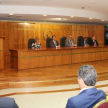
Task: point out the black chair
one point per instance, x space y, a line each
62 41
90 41
30 41
79 40
48 42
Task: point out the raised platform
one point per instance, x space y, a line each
38 58
48 76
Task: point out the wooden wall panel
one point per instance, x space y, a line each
17 34
1 53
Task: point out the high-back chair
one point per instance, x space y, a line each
79 40
48 42
89 40
102 104
62 41
30 41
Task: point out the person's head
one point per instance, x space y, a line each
54 37
87 76
85 38
93 37
70 37
37 40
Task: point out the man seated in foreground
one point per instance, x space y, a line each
6 102
89 96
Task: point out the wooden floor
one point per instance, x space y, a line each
57 75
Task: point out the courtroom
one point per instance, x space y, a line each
53 54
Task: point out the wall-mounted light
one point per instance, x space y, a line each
44 15
26 23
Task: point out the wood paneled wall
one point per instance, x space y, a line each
1 52
17 34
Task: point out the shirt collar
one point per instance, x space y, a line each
83 89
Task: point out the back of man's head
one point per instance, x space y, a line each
88 74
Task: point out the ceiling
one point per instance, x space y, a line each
56 10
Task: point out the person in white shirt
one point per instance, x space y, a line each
94 41
54 43
84 42
36 44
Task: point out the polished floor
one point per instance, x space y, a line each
48 87
48 76
50 99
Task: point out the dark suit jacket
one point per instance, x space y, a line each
82 43
92 43
86 99
6 102
52 43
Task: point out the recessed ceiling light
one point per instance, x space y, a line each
102 20
11 14
90 18
44 15
71 16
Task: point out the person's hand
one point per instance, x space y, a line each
58 46
87 45
74 45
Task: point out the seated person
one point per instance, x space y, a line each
89 96
6 102
94 42
36 44
69 42
84 42
54 43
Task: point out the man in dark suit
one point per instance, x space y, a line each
54 43
84 42
6 102
89 96
94 41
